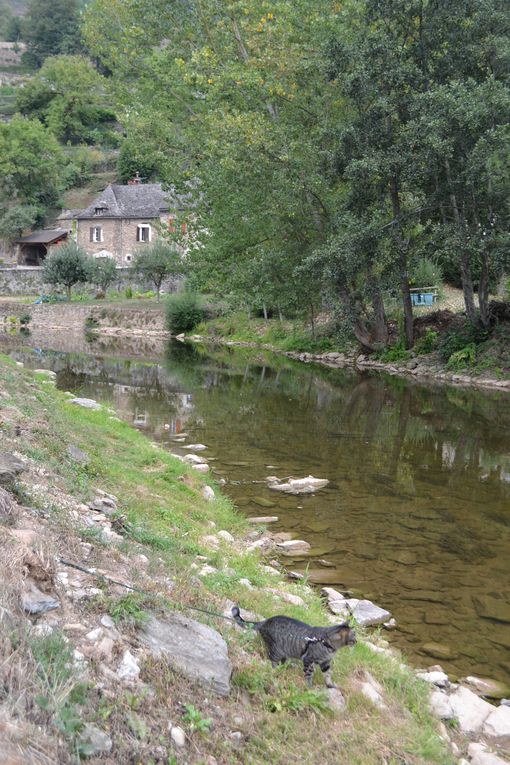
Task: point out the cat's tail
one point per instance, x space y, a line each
236 616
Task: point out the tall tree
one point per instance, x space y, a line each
50 29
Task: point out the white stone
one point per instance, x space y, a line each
87 403
294 600
95 635
195 447
440 706
178 737
307 485
201 468
435 678
371 689
129 668
481 755
208 493
366 613
246 583
194 459
107 621
336 699
225 535
206 570
470 710
42 630
210 540
497 725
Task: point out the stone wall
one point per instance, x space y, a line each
27 280
73 316
119 236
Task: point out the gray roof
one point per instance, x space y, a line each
45 236
142 200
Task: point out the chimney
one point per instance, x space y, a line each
136 181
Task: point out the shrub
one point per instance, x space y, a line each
128 292
67 265
457 338
428 342
102 272
462 358
184 310
25 319
426 273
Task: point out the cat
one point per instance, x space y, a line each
287 638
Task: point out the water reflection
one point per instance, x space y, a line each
417 512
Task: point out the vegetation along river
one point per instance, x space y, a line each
417 513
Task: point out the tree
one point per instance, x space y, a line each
69 96
51 29
102 272
158 262
15 220
66 266
32 164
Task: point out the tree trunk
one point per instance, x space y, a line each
68 292
380 324
467 287
312 319
264 309
483 290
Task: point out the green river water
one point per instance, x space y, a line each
417 513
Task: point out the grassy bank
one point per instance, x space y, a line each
163 518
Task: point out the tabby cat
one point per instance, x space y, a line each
287 638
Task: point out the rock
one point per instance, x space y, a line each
294 546
307 485
486 686
10 468
440 706
497 725
36 602
492 608
95 635
129 668
78 455
198 651
41 630
371 689
436 677
178 737
439 651
470 710
263 502
246 583
201 468
86 403
236 737
194 459
94 741
195 447
336 699
481 755
366 613
263 519
294 600
107 621
336 601
206 570
390 625
226 536
210 540
208 493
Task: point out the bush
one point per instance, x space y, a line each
426 273
428 342
184 310
458 338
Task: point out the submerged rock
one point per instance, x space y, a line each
263 519
486 686
292 546
198 651
439 651
307 485
492 608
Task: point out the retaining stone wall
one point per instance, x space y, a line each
72 316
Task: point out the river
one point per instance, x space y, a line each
417 513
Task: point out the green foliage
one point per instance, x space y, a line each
195 720
394 354
129 610
25 319
464 357
157 262
297 700
101 272
32 165
426 273
184 310
128 292
51 29
67 265
15 220
458 338
70 97
428 342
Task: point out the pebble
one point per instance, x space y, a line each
129 668
226 536
178 737
107 621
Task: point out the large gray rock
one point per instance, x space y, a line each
486 686
307 485
366 613
497 725
480 755
86 403
470 710
198 651
10 468
440 706
36 602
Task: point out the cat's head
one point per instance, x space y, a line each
342 635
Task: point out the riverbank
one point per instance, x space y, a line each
97 493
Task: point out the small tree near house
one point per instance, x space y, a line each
157 263
66 266
102 272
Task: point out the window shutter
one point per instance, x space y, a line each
91 239
138 234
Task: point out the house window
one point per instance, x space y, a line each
143 232
100 210
96 234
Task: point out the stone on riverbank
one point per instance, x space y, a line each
307 485
293 546
36 602
198 651
440 706
366 613
470 710
86 403
486 686
480 755
263 519
497 725
94 741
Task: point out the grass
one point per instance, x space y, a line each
281 720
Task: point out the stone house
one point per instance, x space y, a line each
122 220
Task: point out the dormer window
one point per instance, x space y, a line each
100 210
143 232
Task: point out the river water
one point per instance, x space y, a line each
417 513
